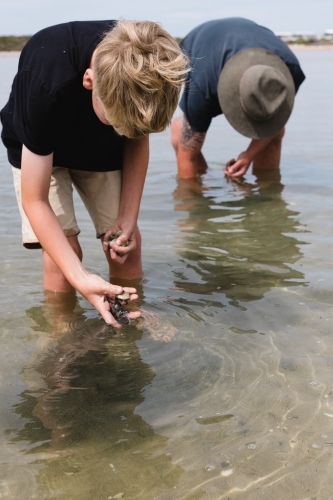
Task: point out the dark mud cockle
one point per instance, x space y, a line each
116 308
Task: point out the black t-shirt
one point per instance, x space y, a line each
49 110
209 47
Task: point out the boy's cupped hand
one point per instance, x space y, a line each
96 291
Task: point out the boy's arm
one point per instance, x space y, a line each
36 176
135 165
188 144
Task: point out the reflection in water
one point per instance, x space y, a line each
83 385
242 245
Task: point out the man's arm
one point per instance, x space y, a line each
188 144
36 176
265 153
135 165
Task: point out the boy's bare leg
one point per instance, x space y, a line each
54 279
269 157
132 267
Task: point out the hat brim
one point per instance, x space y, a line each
229 98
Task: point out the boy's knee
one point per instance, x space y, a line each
74 243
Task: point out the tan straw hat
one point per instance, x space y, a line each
256 93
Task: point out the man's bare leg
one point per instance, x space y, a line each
269 157
176 126
187 144
54 279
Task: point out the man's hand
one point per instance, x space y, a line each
239 167
265 152
97 291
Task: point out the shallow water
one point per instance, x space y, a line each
238 403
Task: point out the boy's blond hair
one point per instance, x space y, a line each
139 70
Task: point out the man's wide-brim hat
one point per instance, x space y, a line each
256 93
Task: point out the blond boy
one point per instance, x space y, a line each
83 103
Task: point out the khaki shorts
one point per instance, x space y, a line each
99 191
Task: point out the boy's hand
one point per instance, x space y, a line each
96 291
121 247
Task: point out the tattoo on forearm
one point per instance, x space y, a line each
189 139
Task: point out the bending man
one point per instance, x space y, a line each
244 71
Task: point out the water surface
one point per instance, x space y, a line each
225 391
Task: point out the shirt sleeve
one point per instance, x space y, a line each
35 114
298 76
196 108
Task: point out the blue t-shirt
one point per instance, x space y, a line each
209 47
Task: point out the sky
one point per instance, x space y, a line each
25 17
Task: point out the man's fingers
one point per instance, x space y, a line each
235 173
230 162
231 170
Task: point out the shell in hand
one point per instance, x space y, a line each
113 238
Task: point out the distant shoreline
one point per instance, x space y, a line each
292 46
10 52
305 46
